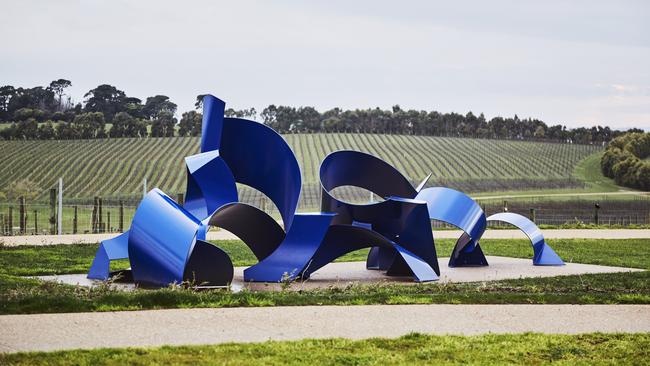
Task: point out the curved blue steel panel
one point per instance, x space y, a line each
213 109
111 249
343 239
354 168
208 266
543 254
388 218
210 184
161 236
312 243
455 208
260 158
293 255
458 209
259 231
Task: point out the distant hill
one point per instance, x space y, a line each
117 167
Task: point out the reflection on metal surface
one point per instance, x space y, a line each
543 255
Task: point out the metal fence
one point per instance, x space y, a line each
114 214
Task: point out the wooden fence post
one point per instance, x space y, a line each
100 216
108 221
94 214
74 221
22 216
10 221
53 211
35 221
180 199
121 217
532 214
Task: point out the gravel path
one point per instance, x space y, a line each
48 332
438 234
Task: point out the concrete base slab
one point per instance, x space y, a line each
341 274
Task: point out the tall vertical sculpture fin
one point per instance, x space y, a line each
212 126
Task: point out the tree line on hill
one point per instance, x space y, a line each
626 160
49 113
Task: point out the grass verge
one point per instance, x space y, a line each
76 258
490 349
19 295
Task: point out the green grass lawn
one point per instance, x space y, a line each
489 349
21 295
76 258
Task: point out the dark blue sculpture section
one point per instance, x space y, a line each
167 244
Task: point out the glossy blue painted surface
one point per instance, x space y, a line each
160 238
260 158
458 209
392 218
455 208
289 260
211 128
354 168
313 242
112 249
543 255
210 184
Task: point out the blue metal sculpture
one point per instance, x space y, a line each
166 243
543 255
458 209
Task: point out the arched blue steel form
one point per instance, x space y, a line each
458 209
398 225
355 238
313 242
543 255
354 168
261 159
255 155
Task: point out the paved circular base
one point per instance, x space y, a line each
341 274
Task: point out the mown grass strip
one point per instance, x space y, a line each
490 349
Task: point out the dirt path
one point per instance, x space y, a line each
47 332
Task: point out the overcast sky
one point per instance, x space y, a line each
577 63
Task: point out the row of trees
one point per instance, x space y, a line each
626 160
19 104
412 122
49 113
